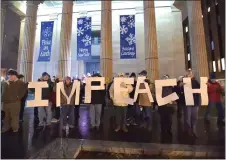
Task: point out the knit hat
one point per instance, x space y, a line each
144 73
180 78
12 72
44 74
121 75
212 75
132 75
67 78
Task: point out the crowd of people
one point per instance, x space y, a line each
15 91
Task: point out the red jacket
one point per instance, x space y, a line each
215 92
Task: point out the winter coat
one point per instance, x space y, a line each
180 92
13 91
46 92
143 97
134 88
168 108
97 96
215 91
123 94
63 99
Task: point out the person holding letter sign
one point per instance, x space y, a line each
67 108
13 90
45 112
121 107
215 91
145 103
191 112
97 101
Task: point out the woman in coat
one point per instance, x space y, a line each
121 108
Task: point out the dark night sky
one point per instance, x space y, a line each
10 40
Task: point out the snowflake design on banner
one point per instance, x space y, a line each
123 19
87 40
47 32
131 23
131 39
87 26
87 18
131 16
80 31
80 21
123 29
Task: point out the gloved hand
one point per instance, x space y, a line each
147 81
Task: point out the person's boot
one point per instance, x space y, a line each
124 129
117 128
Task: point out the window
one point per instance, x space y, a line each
219 65
212 45
208 9
186 29
214 66
96 37
223 64
189 57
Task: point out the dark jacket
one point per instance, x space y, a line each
195 85
46 92
134 88
180 92
168 108
98 96
108 89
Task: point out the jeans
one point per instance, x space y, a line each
166 112
45 115
56 111
220 110
191 117
67 114
95 114
147 114
121 116
22 109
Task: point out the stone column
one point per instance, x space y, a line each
3 14
199 60
65 39
22 23
106 41
150 39
26 60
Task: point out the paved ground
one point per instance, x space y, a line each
28 141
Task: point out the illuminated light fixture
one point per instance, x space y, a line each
208 9
214 66
189 57
202 16
186 29
223 64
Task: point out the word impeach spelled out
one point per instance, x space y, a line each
159 84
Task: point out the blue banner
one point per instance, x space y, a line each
127 37
84 38
46 41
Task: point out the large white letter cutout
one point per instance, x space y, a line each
146 90
89 87
168 99
60 87
188 91
118 89
38 102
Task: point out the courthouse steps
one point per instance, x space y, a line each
70 148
